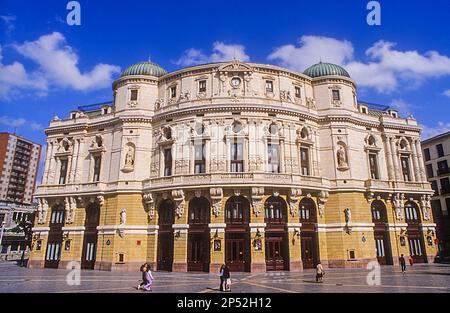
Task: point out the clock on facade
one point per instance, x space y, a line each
235 82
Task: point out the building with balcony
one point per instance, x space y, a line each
436 153
19 163
248 164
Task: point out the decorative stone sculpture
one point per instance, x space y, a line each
257 195
342 157
216 197
123 216
42 211
101 200
348 216
425 203
129 158
294 198
70 205
399 206
322 200
178 198
149 205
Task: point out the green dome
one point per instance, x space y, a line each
145 68
325 69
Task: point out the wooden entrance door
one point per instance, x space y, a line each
165 251
235 254
275 259
381 246
198 252
53 253
309 250
89 251
416 248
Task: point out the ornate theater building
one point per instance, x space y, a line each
252 165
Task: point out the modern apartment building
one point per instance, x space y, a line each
436 152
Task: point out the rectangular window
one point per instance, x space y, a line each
167 162
336 95
200 159
237 157
269 86
426 153
53 251
202 86
63 172
405 168
443 167
445 186
304 161
373 162
134 95
430 172
440 150
173 92
273 152
298 92
97 165
57 217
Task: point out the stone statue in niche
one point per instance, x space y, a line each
342 157
123 217
348 215
129 159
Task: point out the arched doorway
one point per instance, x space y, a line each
198 236
55 237
381 233
275 217
415 238
308 233
237 236
90 236
166 218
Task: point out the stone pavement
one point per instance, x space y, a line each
433 278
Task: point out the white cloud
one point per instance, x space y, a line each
9 22
447 93
59 64
311 50
13 123
402 106
221 52
431 131
385 69
57 67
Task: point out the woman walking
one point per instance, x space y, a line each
148 279
222 279
143 270
319 273
227 278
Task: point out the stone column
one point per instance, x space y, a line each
395 159
415 161
48 155
420 161
73 162
387 145
257 231
282 157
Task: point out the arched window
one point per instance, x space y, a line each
307 211
166 213
379 214
275 211
237 210
57 217
199 211
412 212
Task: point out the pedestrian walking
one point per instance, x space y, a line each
148 279
411 261
143 270
227 278
319 273
222 279
402 263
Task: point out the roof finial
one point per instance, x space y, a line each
149 57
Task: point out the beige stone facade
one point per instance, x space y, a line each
247 164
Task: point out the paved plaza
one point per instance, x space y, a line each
433 278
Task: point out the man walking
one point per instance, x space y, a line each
403 263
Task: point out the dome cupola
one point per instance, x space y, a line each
144 68
325 69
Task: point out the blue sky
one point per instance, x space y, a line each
48 68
